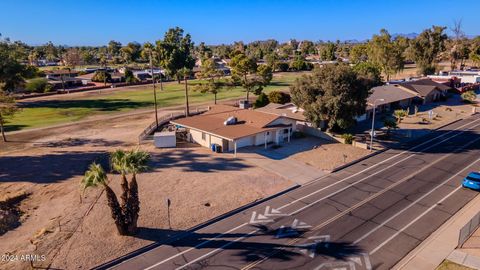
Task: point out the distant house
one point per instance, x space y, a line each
233 128
220 64
58 74
67 82
427 90
403 94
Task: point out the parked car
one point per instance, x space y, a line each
472 181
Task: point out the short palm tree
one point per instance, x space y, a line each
95 176
123 162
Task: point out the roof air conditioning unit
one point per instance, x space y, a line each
232 120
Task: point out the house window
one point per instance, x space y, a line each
204 136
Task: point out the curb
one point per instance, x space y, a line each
173 238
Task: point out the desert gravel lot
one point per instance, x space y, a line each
77 233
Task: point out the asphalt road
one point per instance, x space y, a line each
367 216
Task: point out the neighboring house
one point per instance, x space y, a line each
86 78
67 82
428 91
58 74
117 77
387 98
233 128
142 75
220 64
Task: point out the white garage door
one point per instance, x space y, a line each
247 141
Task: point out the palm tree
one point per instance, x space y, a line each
123 162
95 176
136 162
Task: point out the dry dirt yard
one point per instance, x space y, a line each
76 232
328 156
443 113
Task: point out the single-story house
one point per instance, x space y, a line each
59 73
427 90
289 110
233 128
386 98
68 82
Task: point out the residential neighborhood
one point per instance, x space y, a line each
239 135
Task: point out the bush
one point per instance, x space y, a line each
101 76
399 115
281 66
48 88
278 97
469 97
262 100
348 138
37 85
390 124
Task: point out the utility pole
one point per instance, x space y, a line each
373 123
187 110
154 89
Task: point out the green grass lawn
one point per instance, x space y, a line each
50 112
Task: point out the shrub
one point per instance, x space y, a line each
262 100
281 66
129 78
348 138
48 88
36 85
390 124
469 97
278 97
101 76
399 115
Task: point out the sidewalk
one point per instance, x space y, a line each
442 243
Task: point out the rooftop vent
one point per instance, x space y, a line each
232 120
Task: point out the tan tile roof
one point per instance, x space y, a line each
249 122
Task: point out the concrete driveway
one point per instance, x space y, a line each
281 162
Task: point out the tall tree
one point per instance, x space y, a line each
12 72
327 51
244 73
475 51
72 57
175 52
175 55
358 54
426 48
386 53
334 94
8 108
114 47
212 78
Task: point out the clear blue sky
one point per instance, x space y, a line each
89 22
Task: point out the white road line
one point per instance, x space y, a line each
344 179
215 250
415 220
362 179
195 247
378 164
412 204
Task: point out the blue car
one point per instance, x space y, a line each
472 181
